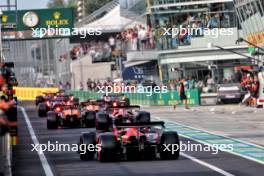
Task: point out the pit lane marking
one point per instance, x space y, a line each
210 166
196 160
42 157
238 144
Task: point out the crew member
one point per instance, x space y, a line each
182 95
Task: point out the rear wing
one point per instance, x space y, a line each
10 64
67 106
115 95
140 124
123 107
92 102
47 93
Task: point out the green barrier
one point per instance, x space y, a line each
156 99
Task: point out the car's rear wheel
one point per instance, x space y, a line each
143 116
76 101
109 147
102 122
42 110
150 153
52 122
132 154
42 113
39 99
87 139
89 119
52 125
170 139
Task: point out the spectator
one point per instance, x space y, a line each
210 83
68 86
61 86
255 90
112 43
191 83
182 95
118 45
142 35
81 88
213 22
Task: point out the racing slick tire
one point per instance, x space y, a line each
89 119
52 122
127 102
87 139
150 153
39 99
42 110
4 128
143 116
109 147
102 122
76 101
170 138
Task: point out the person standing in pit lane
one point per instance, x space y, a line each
182 95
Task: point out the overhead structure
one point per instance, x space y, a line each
251 16
110 22
80 10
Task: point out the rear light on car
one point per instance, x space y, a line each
261 100
13 91
114 104
48 104
58 109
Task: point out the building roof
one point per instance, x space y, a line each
110 22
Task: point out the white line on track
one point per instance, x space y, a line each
210 166
34 138
214 133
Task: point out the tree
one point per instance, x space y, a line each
56 4
72 3
91 6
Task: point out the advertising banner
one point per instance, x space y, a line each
37 24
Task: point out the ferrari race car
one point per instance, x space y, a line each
122 114
68 115
89 109
51 103
118 99
42 98
131 141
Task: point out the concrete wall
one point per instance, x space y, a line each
83 69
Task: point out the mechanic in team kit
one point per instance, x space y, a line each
182 95
8 110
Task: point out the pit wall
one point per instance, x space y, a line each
162 99
30 93
156 99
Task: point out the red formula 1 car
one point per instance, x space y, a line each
121 114
42 98
89 109
64 116
52 101
126 141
